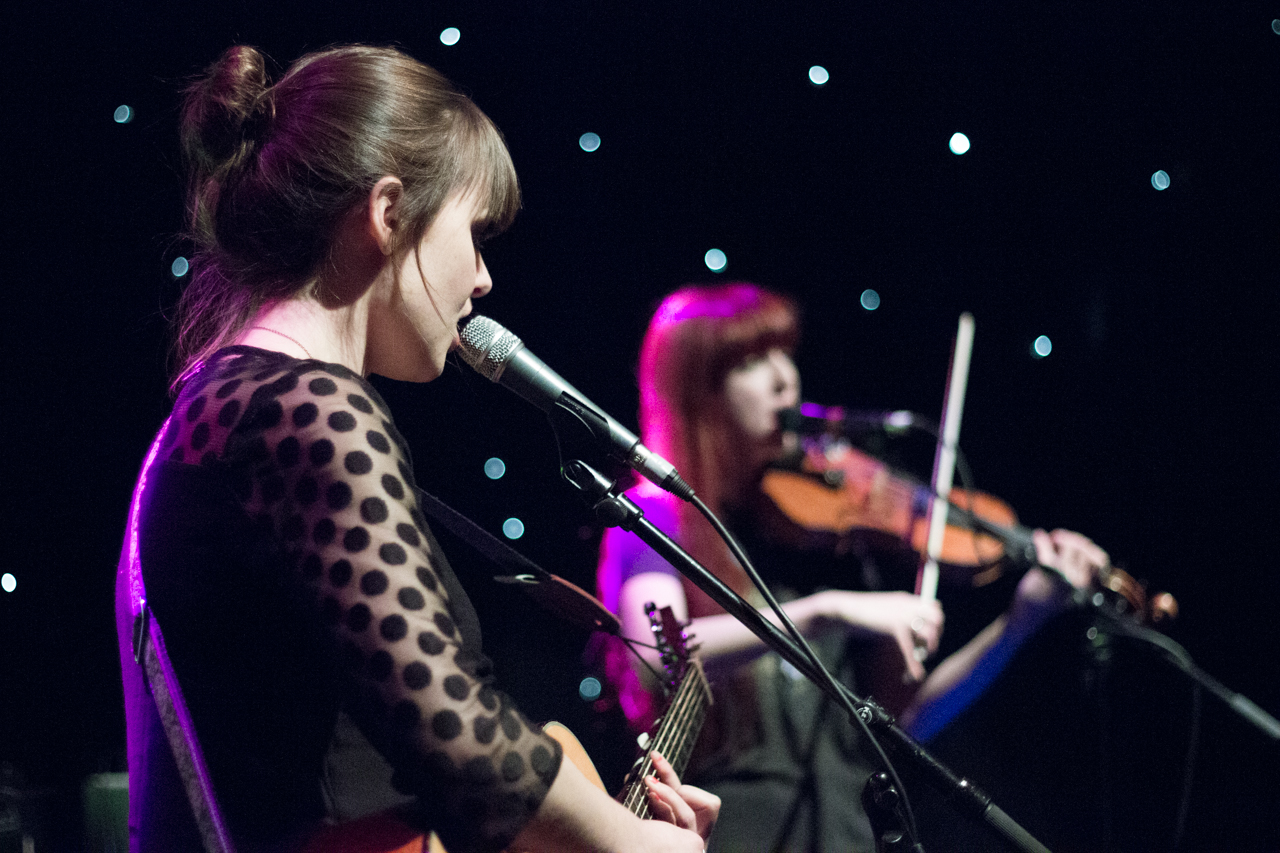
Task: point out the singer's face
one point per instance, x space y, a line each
436 284
755 391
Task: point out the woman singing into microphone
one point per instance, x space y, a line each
715 369
330 658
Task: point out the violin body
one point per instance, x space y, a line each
836 496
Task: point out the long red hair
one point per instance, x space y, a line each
696 336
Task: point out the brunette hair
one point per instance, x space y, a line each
273 168
697 335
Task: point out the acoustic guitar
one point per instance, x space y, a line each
673 735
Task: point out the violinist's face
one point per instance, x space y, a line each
755 391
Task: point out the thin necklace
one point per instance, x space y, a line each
283 335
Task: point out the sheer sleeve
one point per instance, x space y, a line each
312 453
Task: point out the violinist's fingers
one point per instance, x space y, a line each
927 625
1076 556
1082 548
907 646
1046 551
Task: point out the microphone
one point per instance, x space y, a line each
813 419
499 356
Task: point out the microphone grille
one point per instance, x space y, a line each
486 346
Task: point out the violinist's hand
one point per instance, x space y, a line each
908 619
1074 555
684 805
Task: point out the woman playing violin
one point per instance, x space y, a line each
715 370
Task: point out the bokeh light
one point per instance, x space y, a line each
450 35
8 582
818 75
1275 26
589 689
715 260
1042 346
123 114
1160 180
179 267
494 468
959 143
589 142
870 299
513 528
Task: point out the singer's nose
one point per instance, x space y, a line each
484 282
786 377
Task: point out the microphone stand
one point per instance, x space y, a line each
617 510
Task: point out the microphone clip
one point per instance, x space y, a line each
611 508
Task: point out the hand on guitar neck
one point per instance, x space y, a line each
652 789
577 813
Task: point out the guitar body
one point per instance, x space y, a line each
575 752
385 833
673 735
376 833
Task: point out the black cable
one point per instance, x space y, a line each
1193 743
634 647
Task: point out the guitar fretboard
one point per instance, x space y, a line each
673 736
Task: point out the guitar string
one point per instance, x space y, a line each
692 703
673 721
673 739
636 799
680 711
693 706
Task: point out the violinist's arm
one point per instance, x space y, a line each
724 642
965 675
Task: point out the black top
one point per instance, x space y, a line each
787 764
313 623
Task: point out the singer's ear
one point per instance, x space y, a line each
383 209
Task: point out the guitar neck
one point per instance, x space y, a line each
673 736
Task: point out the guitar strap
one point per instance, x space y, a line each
556 595
149 653
491 547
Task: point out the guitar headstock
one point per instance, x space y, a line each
670 637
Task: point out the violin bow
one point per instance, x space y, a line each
944 462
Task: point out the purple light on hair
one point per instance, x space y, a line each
686 305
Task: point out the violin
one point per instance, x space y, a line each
836 495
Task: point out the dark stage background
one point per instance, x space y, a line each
1150 427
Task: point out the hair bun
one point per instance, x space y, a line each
227 108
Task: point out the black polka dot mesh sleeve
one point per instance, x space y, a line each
313 457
